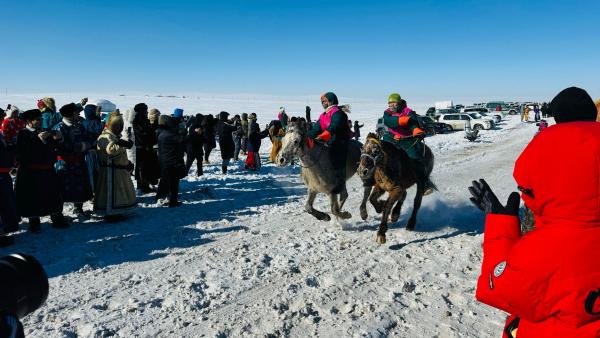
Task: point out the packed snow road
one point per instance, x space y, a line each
242 258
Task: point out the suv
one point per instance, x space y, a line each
465 121
496 116
433 127
505 109
440 112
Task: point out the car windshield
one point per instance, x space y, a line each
475 115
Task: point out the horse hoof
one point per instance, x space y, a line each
325 218
410 227
363 214
381 239
344 215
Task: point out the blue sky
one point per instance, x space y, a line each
366 49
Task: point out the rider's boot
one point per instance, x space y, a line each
423 178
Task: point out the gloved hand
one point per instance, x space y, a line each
60 166
130 166
485 200
125 143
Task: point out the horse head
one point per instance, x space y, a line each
293 143
370 154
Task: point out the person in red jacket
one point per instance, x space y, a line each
548 279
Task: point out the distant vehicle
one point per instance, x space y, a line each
497 116
433 127
458 107
430 112
443 105
464 121
482 116
440 112
504 108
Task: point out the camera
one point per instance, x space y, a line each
23 289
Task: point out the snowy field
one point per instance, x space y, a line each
241 258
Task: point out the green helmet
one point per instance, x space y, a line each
394 97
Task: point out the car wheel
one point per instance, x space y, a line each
478 127
512 112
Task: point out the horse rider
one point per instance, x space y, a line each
332 130
405 133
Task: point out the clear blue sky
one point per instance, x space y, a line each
422 49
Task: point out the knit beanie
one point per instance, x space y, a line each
330 97
394 97
573 104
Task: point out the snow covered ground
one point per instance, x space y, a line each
241 258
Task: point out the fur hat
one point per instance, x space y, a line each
68 110
163 120
330 97
153 115
115 123
140 108
573 104
31 114
12 111
47 104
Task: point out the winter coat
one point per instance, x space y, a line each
114 192
208 125
171 147
550 277
332 127
8 206
93 126
244 125
38 188
195 140
50 119
357 129
72 149
225 130
401 127
276 134
255 136
10 128
144 137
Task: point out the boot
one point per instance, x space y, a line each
224 169
34 225
59 221
422 178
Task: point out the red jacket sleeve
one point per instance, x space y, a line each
509 280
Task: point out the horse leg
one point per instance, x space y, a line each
392 198
363 203
398 207
416 206
374 199
321 216
335 207
343 197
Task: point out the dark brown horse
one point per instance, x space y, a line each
389 169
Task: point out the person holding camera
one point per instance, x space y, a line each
114 192
548 279
38 190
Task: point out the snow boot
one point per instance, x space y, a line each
422 178
59 221
224 169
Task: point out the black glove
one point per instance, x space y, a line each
125 143
130 166
486 201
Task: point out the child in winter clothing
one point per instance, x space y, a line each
549 278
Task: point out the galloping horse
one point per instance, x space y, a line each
317 168
389 170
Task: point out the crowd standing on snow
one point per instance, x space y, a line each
51 156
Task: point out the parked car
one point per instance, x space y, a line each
504 108
433 127
440 112
496 116
464 121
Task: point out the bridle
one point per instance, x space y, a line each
377 157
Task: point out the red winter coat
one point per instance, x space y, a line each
550 277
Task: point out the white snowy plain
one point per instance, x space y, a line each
241 258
